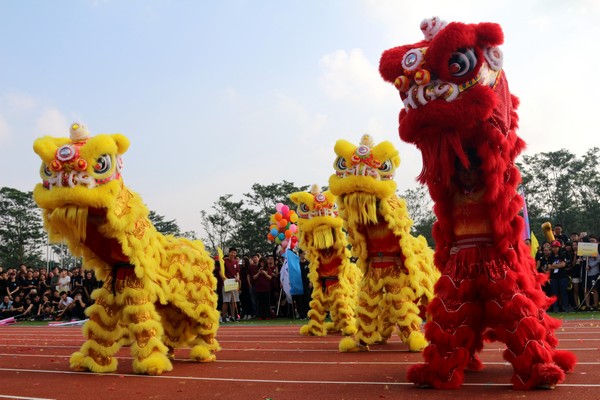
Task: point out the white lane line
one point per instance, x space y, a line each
284 350
231 361
237 380
8 396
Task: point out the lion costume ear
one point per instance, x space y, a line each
294 197
121 141
489 34
46 146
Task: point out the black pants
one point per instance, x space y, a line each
264 306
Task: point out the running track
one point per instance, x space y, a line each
273 362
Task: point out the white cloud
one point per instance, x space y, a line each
20 102
348 75
52 122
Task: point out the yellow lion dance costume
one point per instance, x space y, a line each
398 268
159 291
333 277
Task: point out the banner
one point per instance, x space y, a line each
587 249
534 245
290 275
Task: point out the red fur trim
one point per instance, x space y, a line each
565 360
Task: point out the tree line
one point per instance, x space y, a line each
559 187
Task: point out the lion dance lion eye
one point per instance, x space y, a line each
103 164
304 208
340 164
462 62
46 170
386 166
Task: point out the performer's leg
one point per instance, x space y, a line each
368 312
341 310
103 332
175 325
515 310
403 310
316 316
454 331
148 351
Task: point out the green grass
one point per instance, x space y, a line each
289 321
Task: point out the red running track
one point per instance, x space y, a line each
273 362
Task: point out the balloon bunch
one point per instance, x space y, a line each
283 229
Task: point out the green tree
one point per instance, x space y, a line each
221 224
245 224
561 188
21 230
164 226
420 210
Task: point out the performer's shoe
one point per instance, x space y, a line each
475 363
543 376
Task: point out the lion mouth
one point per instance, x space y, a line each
70 179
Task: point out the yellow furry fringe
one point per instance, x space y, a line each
80 362
154 364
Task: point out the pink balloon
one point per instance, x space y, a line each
278 206
285 209
293 228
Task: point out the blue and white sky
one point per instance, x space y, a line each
218 95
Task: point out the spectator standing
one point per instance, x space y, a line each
559 279
593 272
559 235
3 281
77 280
245 299
64 282
262 284
230 298
543 266
54 275
42 285
252 272
89 284
576 273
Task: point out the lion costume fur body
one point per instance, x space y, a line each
333 276
398 273
461 115
158 292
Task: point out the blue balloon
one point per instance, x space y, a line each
274 232
281 236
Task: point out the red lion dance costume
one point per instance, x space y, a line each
461 115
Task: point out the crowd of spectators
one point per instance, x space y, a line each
258 293
56 295
572 278
64 294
